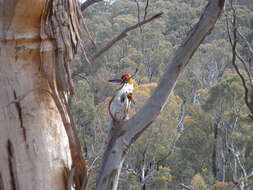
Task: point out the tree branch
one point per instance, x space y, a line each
235 54
138 12
88 3
137 124
188 187
122 35
246 41
146 10
236 155
126 132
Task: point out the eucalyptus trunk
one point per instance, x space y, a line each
35 146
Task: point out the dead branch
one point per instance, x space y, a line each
138 12
88 3
246 41
188 187
88 33
127 132
122 35
233 44
244 178
235 32
138 123
233 39
146 10
244 65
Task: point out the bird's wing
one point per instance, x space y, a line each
119 106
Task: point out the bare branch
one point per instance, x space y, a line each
235 55
94 161
146 10
89 35
240 75
138 12
122 35
88 3
188 187
250 174
137 124
132 171
246 41
85 56
237 155
123 135
244 65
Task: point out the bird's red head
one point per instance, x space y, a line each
125 78
126 75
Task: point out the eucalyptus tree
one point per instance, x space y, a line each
38 39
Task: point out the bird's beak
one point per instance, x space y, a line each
116 81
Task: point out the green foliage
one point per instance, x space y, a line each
84 107
162 177
230 88
209 89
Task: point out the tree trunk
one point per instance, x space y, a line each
143 186
124 134
214 154
113 159
34 145
35 151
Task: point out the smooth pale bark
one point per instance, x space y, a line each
123 135
33 143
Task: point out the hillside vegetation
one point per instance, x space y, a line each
204 136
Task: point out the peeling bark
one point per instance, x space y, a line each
61 22
35 124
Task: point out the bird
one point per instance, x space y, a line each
119 104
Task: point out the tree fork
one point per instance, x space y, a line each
116 150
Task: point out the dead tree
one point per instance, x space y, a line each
244 72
